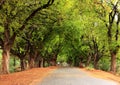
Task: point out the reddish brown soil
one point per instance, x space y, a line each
103 75
29 77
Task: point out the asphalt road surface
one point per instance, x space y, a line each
73 76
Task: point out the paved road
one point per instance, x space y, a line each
73 76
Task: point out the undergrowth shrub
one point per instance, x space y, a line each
104 64
90 67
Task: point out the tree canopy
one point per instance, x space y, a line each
78 32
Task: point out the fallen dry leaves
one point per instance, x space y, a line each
103 75
29 77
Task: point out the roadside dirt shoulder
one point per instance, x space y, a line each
103 75
29 77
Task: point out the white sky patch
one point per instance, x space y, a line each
116 17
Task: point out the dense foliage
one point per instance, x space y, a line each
43 33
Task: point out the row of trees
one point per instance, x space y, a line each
14 18
40 31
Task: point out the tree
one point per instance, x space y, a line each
20 49
110 16
10 14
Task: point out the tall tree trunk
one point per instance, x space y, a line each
39 63
22 64
42 62
5 59
96 59
53 62
31 63
113 62
7 44
6 49
14 64
96 64
88 60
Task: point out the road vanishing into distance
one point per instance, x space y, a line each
73 76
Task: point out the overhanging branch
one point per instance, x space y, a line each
49 3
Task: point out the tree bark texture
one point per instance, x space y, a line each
5 60
22 64
113 62
7 43
88 60
31 62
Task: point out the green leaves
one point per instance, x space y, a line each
69 29
1 29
